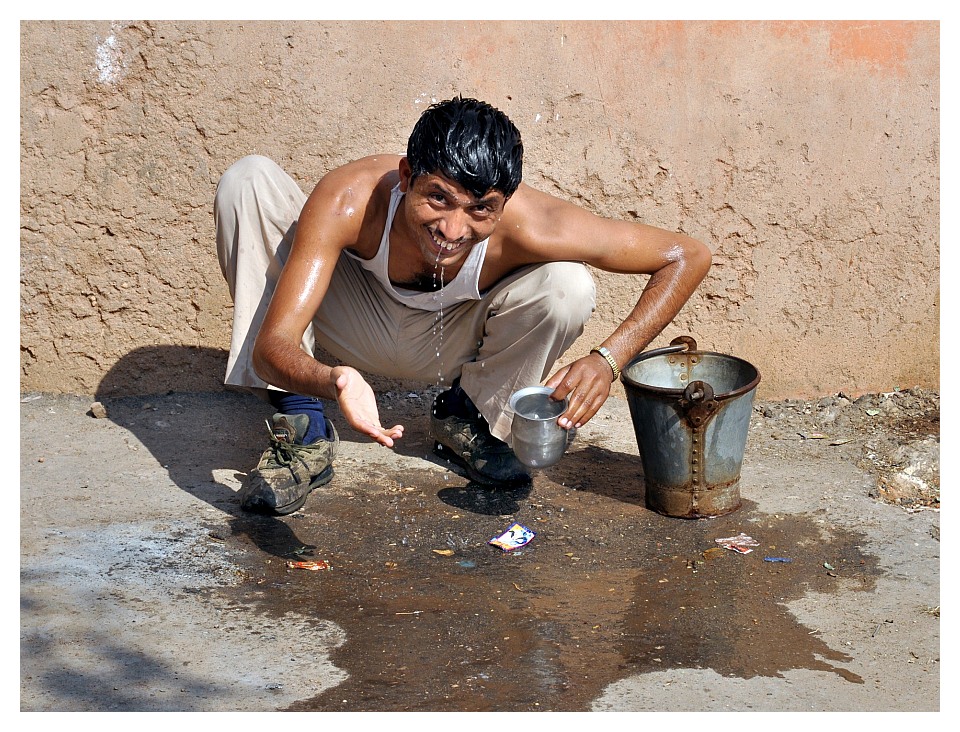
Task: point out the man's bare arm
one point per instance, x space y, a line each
676 263
323 231
586 382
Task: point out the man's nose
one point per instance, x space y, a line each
453 226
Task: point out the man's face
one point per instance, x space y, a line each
448 220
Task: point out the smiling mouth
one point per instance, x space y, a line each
445 246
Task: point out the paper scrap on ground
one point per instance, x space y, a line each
740 543
513 538
312 566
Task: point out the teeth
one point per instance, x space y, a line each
446 246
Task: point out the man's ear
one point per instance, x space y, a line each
406 174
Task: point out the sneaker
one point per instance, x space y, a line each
288 470
468 443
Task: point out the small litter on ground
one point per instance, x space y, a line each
777 559
513 538
741 543
312 566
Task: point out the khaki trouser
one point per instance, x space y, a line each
509 339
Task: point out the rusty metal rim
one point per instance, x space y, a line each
678 393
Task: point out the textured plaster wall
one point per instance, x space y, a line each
805 154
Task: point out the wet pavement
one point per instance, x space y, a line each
610 606
583 605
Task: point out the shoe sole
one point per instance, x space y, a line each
447 454
325 477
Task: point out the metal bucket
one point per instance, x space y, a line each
691 413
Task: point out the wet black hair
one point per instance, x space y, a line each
470 142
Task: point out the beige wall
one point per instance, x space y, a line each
805 154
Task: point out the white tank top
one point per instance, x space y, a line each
465 286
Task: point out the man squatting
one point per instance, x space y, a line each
384 247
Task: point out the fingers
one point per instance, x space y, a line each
385 436
585 385
582 407
555 382
381 437
358 404
391 434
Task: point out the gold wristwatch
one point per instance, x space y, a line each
605 353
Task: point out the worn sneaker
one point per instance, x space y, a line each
288 470
468 443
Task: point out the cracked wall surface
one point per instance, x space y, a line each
804 154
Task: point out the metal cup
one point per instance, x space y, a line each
538 441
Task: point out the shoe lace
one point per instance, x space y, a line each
284 453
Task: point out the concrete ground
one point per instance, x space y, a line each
144 587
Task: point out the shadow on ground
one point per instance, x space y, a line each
204 449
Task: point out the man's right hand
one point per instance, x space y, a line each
358 404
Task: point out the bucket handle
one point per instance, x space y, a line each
680 343
698 403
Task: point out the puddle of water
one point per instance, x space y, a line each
606 590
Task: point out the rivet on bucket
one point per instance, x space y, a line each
691 414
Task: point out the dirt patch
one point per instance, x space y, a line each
894 435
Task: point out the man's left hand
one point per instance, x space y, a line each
585 384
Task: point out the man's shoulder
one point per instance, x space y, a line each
530 211
364 174
358 185
350 202
527 196
541 227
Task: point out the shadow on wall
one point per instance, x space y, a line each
205 443
160 369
